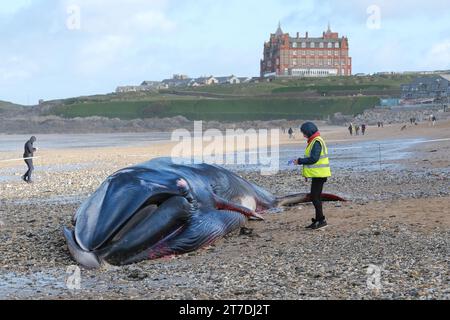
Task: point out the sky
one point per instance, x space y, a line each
53 49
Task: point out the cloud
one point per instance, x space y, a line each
10 7
126 42
101 53
17 68
438 56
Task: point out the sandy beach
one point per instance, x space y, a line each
397 219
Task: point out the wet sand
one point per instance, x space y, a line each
397 219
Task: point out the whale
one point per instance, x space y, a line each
163 208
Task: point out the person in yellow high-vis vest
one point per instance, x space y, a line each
316 165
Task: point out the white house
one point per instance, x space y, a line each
207 81
229 80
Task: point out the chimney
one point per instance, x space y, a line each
307 34
298 35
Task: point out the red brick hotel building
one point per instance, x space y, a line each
285 56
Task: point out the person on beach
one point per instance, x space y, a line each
350 129
316 165
357 130
433 119
363 128
28 158
291 133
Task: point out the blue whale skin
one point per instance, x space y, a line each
162 208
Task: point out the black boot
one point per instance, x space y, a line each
311 225
319 224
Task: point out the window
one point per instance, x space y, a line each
329 62
330 45
294 45
330 53
336 45
303 44
294 62
336 53
313 45
321 45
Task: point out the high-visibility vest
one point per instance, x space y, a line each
320 169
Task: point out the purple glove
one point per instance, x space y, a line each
291 163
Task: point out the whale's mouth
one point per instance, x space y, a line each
145 211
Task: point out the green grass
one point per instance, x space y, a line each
330 88
324 85
7 106
222 110
252 101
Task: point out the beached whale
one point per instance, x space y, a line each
161 208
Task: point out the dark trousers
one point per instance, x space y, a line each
316 193
30 166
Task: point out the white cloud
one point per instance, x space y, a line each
112 16
102 52
125 42
438 56
8 7
17 68
151 20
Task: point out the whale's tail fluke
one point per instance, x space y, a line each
304 198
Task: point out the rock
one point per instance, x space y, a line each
246 231
137 275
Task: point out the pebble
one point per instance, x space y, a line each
275 259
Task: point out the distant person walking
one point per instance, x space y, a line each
28 158
350 129
433 120
291 133
363 128
357 130
316 165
